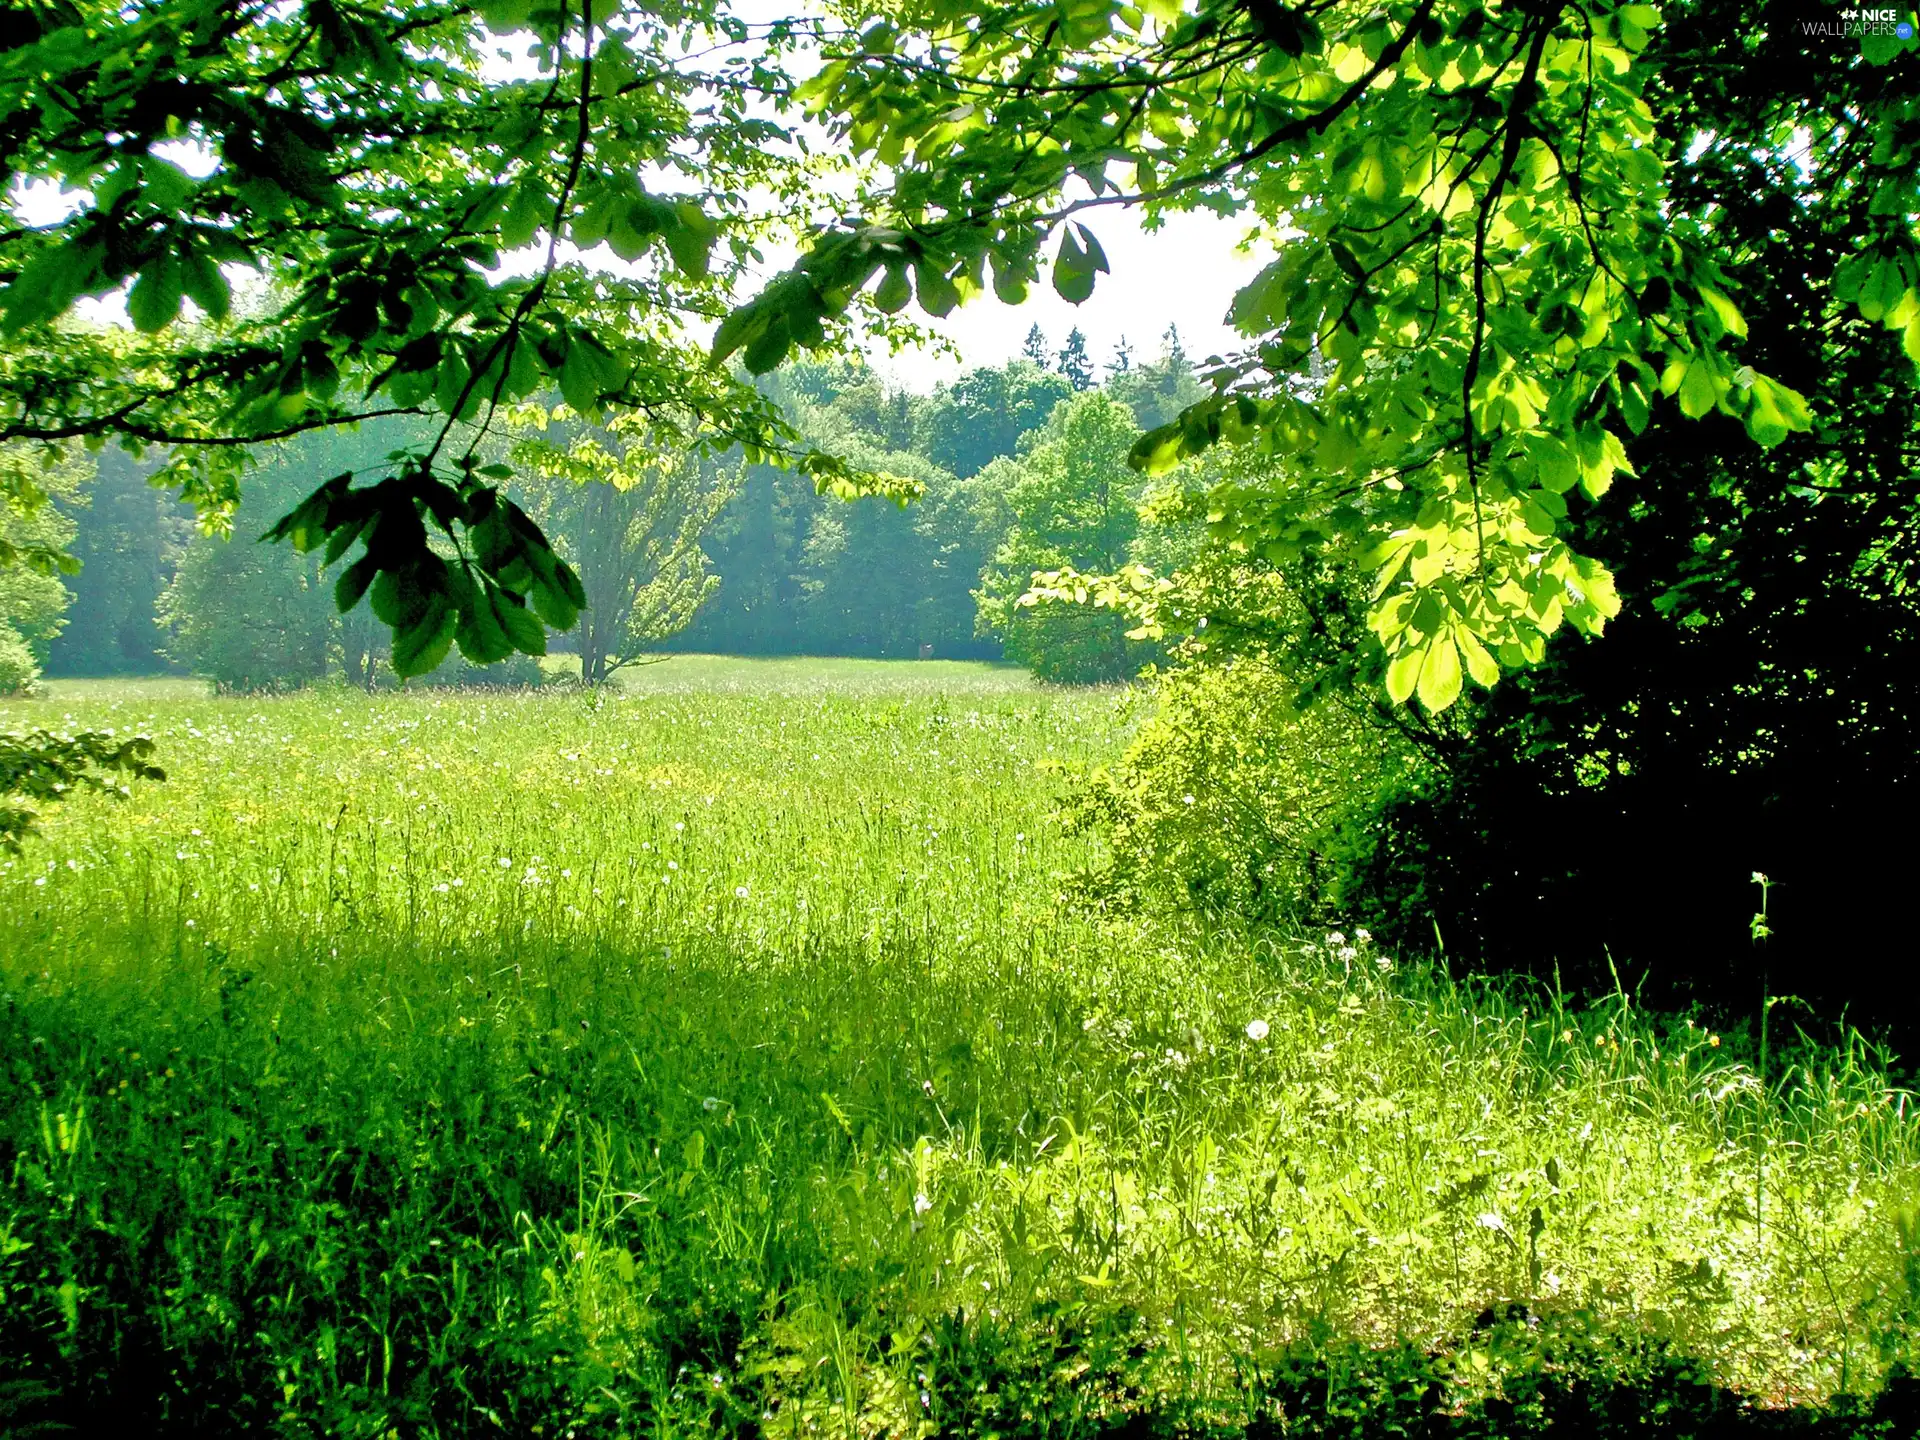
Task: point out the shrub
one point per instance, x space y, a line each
516 672
19 671
1235 796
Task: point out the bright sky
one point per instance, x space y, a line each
1183 274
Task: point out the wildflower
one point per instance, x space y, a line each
712 1103
1186 799
739 892
1336 938
1363 937
679 824
506 862
1714 1041
1257 1030
922 1204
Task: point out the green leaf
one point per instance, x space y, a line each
894 291
1440 674
480 634
353 583
1073 269
1404 674
421 646
1157 451
1723 310
529 208
769 347
938 294
1775 412
524 629
1699 391
50 281
1553 463
1094 253
1481 666
205 285
167 186
155 299
690 239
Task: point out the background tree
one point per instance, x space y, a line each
252 617
1122 360
129 539
1159 390
1073 504
377 167
984 413
1074 362
1036 349
629 518
1477 244
36 526
1172 353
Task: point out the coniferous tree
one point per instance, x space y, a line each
1172 351
1075 363
1035 347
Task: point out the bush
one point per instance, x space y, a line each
251 618
1235 797
19 671
516 672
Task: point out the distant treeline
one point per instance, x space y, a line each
1023 469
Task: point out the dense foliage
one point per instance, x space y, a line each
1755 707
128 540
378 166
1072 502
38 492
1479 245
1603 815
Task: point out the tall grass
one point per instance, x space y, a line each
721 1053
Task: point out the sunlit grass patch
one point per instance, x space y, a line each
722 1052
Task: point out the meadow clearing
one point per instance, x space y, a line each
726 1053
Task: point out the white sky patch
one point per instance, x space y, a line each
1183 274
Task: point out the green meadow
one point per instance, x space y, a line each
729 1053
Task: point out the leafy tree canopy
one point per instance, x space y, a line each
420 188
1481 285
1481 291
